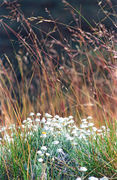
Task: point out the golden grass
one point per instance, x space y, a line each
80 81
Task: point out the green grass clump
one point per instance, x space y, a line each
55 148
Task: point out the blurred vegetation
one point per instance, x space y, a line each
73 75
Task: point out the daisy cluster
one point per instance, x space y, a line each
66 126
53 139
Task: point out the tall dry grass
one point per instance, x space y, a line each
75 75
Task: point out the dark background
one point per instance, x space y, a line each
89 9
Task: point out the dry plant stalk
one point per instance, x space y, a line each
70 76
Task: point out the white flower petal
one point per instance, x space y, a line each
38 114
92 178
104 178
83 169
47 154
32 114
78 178
56 142
40 160
44 148
48 115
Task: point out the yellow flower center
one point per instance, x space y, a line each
43 132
